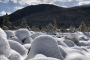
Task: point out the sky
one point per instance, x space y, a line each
10 6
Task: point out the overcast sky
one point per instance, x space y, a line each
11 6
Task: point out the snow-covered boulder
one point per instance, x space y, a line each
43 57
27 46
84 49
83 43
69 43
2 33
15 56
45 45
28 40
16 39
72 35
62 51
2 57
18 47
77 48
22 33
76 56
10 34
32 32
4 45
36 35
60 42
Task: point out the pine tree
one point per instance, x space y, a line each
83 27
55 23
62 29
50 28
34 28
6 22
88 29
71 29
14 28
43 29
23 23
28 27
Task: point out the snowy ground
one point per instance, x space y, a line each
23 44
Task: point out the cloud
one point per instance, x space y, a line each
84 3
64 6
5 1
33 2
18 7
0 0
82 0
4 13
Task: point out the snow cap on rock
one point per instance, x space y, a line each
18 48
43 57
33 36
22 33
2 33
10 34
15 55
4 45
45 45
2 57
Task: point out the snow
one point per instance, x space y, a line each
83 43
60 42
76 56
45 45
62 52
15 45
10 34
72 35
16 39
2 57
2 33
28 40
42 57
15 56
4 45
22 33
18 48
32 32
27 46
69 43
33 36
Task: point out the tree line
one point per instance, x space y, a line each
7 25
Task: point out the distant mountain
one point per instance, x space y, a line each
43 14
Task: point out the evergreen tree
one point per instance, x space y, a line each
6 22
5 28
88 29
23 23
34 28
83 27
43 29
62 29
28 27
71 29
55 23
14 28
50 28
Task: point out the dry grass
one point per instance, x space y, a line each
73 39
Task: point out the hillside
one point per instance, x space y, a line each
43 14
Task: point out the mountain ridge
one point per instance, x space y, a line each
43 14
